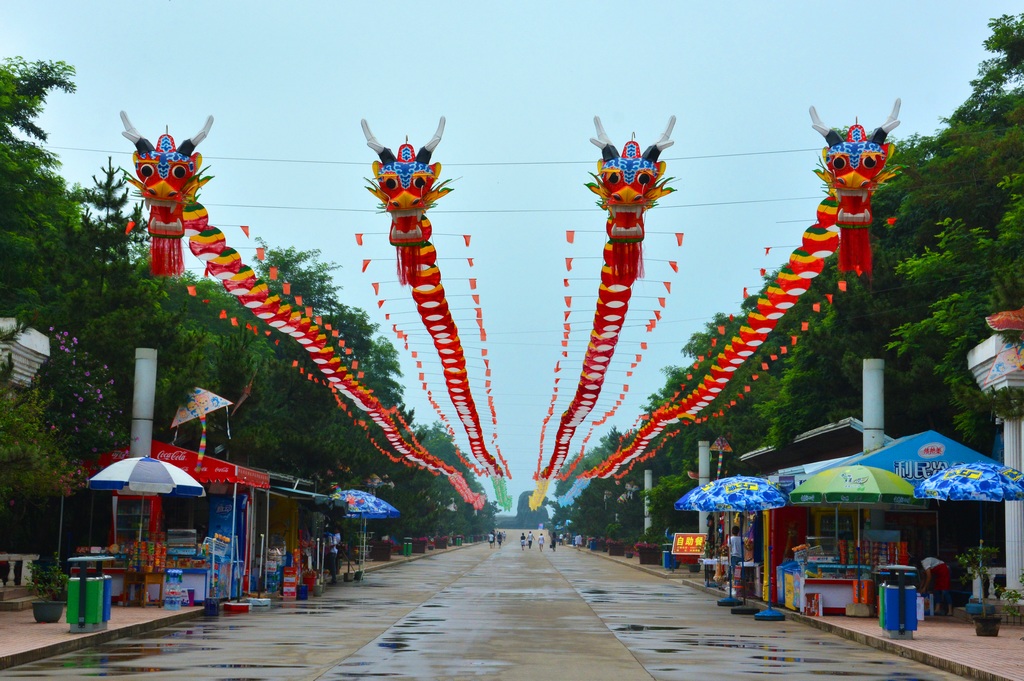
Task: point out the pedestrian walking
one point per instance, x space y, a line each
501 538
540 542
529 540
490 540
554 541
522 541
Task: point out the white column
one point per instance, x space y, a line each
648 486
142 402
1012 439
873 403
703 478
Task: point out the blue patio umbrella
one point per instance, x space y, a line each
736 493
361 505
973 482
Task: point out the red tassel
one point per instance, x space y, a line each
165 257
855 249
627 263
408 263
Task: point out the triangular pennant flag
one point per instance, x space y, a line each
829 297
668 286
841 284
191 290
470 261
568 301
674 265
130 226
568 264
245 230
376 288
286 288
359 239
466 237
261 253
472 284
366 263
570 235
476 298
273 273
803 327
298 299
816 307
661 301
565 283
679 238
223 314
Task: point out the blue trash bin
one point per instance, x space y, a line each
302 593
211 607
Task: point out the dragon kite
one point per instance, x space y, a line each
407 186
627 184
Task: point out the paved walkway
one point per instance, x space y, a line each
451 603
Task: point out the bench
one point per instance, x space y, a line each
7 575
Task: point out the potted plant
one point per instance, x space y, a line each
615 548
976 562
49 582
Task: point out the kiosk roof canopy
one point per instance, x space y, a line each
211 470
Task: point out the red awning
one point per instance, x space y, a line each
213 470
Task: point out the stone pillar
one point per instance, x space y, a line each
992 372
142 402
703 478
873 403
648 486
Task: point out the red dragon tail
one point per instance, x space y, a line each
165 256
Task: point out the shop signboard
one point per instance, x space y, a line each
688 544
289 583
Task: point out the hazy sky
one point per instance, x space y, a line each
519 84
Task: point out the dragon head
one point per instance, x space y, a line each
407 186
855 167
629 183
168 177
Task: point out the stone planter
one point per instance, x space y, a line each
419 547
440 543
48 611
616 549
649 556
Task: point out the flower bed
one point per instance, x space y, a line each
616 548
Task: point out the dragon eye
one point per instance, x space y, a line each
146 170
839 163
179 172
869 162
613 178
419 183
390 183
644 178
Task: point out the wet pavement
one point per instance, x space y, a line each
480 613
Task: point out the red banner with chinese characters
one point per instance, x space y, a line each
688 544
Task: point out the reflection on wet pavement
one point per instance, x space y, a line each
487 614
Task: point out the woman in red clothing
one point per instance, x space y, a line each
936 581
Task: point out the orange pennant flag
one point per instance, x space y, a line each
359 239
472 284
479 312
286 288
376 288
567 313
295 363
568 301
466 238
668 286
746 388
816 307
803 326
366 263
745 294
793 340
476 298
570 235
763 271
261 253
470 261
674 265
714 342
661 301
643 345
298 299
319 320
773 357
568 264
334 333
565 283
273 273
764 366
767 250
679 238
380 304
234 321
721 330
130 226
245 230
841 284
191 290
657 315
784 350
223 314
829 297
309 311
755 376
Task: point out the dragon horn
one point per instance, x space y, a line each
608 150
143 145
189 145
423 155
386 155
878 136
663 142
832 137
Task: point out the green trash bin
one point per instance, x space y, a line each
93 601
407 546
